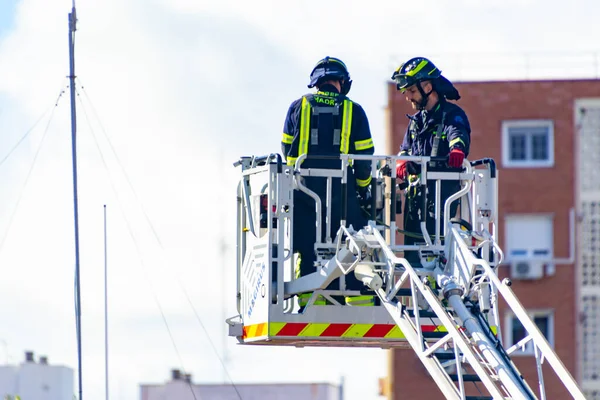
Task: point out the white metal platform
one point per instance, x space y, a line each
445 309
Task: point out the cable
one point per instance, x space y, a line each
20 196
137 247
184 291
32 128
477 387
117 158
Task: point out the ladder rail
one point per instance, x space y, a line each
539 361
432 365
442 315
505 370
517 308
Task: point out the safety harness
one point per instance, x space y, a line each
317 111
439 129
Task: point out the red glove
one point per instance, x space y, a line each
401 169
456 157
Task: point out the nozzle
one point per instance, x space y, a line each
367 275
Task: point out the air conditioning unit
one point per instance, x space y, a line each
527 269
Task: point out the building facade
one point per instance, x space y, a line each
181 387
545 139
33 380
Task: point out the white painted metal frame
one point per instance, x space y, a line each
459 285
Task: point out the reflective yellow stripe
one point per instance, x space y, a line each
346 125
298 256
304 127
305 131
275 327
363 144
314 329
332 59
432 281
287 139
395 333
291 161
403 153
256 330
457 140
363 182
419 67
357 330
328 94
304 297
338 61
360 300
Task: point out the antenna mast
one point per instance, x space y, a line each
72 29
105 308
223 267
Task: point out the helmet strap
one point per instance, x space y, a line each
424 97
346 85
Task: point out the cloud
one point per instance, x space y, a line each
180 89
179 97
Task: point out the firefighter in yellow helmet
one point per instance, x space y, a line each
439 128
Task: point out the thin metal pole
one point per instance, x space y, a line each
105 306
223 257
223 251
72 29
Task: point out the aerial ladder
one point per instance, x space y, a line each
445 308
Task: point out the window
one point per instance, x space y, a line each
529 245
515 331
529 236
528 143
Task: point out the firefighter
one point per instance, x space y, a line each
439 128
327 123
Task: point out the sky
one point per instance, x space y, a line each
170 94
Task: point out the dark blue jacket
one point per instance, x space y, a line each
454 125
345 133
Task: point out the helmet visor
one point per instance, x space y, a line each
403 81
321 74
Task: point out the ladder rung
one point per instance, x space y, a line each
434 335
466 377
444 356
404 292
422 313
